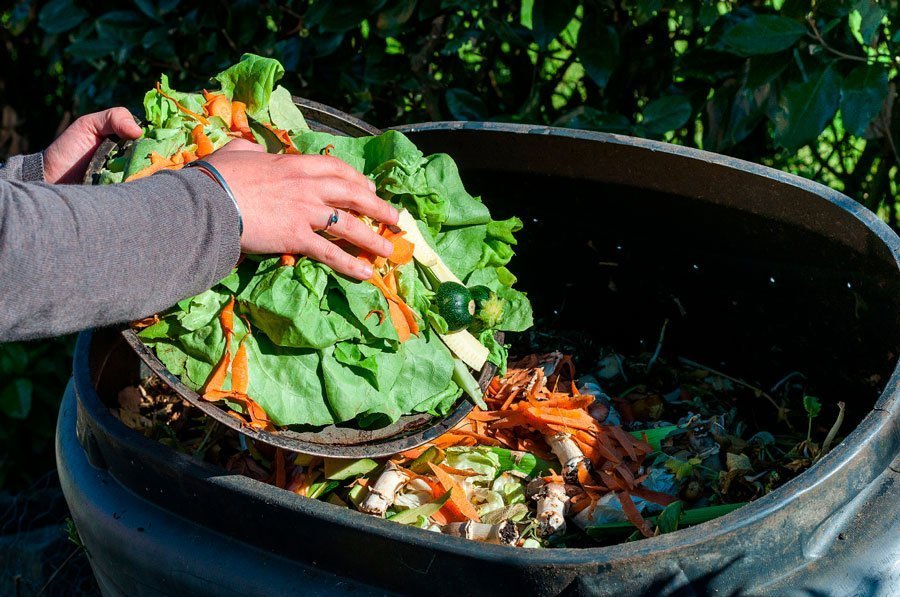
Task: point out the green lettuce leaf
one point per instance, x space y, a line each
284 113
161 112
251 81
287 304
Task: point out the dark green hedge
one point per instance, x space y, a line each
808 87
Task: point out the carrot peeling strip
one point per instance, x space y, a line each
204 145
157 163
239 121
194 115
632 514
217 104
377 312
457 494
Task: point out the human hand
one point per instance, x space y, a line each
67 158
285 199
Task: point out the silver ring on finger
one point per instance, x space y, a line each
332 219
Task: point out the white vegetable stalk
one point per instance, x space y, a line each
384 491
504 533
552 506
568 453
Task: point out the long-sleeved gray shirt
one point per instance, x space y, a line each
75 256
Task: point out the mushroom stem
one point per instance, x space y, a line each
552 506
504 533
384 491
568 453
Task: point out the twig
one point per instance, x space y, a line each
782 411
201 449
662 335
832 433
818 37
57 571
785 379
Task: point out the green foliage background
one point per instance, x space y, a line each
806 86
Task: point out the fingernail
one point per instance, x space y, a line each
372 185
366 271
386 248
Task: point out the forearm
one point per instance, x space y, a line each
73 257
25 168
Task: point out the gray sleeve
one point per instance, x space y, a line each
26 168
76 256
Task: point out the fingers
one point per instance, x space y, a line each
345 194
325 165
351 229
115 121
333 256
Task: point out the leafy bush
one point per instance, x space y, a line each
807 87
32 379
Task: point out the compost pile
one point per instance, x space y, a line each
629 447
555 460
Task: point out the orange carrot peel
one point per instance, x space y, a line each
240 375
239 121
198 117
204 145
217 104
458 503
158 163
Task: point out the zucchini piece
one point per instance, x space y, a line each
467 347
468 383
480 293
455 304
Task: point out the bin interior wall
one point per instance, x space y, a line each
793 284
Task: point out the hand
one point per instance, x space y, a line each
285 199
67 158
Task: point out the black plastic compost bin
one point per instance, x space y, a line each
773 273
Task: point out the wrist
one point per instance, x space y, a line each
214 173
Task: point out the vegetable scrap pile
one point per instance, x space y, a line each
286 341
624 452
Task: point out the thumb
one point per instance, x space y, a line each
115 121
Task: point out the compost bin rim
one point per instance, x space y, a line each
836 198
839 457
884 413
